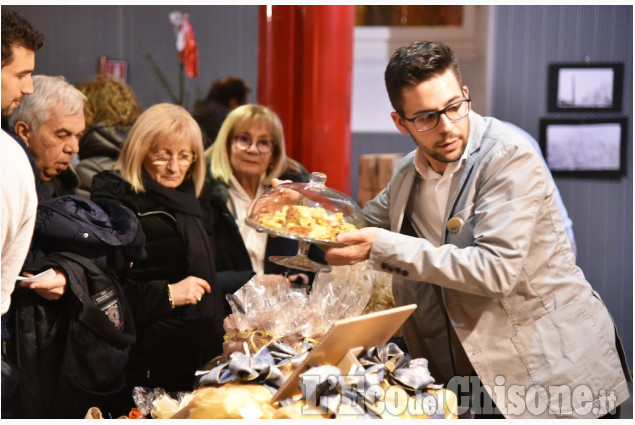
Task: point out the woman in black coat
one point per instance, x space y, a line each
174 292
247 154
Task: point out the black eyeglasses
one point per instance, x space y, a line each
244 143
455 112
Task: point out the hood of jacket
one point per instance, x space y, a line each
92 228
102 140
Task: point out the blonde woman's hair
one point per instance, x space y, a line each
218 154
110 101
161 121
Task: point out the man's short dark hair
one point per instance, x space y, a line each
17 31
226 89
417 62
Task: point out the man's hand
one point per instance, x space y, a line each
275 182
358 247
282 197
51 289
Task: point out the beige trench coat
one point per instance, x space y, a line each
536 333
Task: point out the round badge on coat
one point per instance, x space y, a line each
454 224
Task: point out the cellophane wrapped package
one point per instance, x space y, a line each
381 298
262 312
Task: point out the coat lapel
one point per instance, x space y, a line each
403 193
459 180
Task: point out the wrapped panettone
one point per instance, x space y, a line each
229 401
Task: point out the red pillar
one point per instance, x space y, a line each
305 75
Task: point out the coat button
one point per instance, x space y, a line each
454 224
389 268
85 235
384 266
404 273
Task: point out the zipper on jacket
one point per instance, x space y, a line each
144 214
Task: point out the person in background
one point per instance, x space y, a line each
174 292
568 224
18 190
225 95
111 109
248 153
51 124
469 228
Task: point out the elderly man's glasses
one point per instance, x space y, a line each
184 159
455 112
244 143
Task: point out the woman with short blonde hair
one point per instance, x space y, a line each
174 292
218 154
247 154
165 120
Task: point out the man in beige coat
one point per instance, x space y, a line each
477 242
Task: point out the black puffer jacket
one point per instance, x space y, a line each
98 151
164 354
146 280
72 352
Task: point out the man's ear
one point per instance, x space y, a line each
399 122
23 130
466 92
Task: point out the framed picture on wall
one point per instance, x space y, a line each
585 87
117 68
589 147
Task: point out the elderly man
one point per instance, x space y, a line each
85 244
51 122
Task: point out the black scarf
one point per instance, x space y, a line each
209 312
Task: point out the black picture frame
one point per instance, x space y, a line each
581 87
593 147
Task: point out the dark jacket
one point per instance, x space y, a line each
65 183
164 354
98 151
232 258
72 352
210 116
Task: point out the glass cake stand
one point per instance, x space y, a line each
308 213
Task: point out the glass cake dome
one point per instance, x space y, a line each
308 212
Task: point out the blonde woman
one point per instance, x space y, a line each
247 154
174 291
